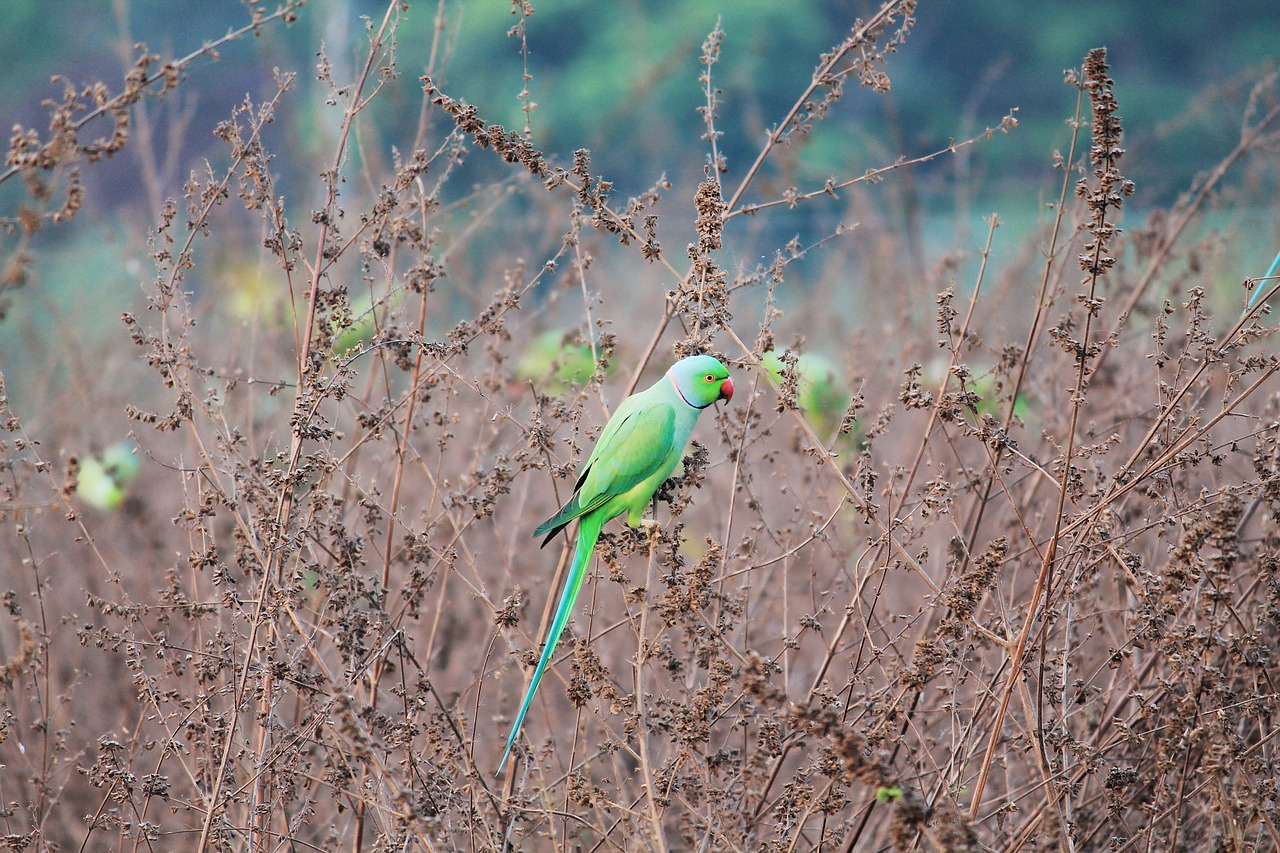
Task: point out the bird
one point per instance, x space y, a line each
637 451
556 361
103 480
820 393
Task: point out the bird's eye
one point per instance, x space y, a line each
711 377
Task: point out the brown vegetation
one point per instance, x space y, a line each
1026 597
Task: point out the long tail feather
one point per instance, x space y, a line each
1264 284
588 531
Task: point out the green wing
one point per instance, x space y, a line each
629 454
632 447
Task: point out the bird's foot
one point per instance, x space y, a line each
652 531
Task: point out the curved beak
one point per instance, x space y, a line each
726 390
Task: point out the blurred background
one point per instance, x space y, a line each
621 80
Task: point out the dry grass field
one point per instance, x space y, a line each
1017 588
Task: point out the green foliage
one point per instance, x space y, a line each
619 81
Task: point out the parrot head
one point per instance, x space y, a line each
701 380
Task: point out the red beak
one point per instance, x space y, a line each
726 390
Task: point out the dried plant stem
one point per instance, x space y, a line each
167 72
1104 154
647 768
1251 138
1044 301
934 411
401 445
274 567
872 176
882 18
822 76
868 510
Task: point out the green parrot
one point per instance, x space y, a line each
556 361
638 449
362 327
103 480
820 393
983 385
990 403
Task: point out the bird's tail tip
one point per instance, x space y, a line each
506 753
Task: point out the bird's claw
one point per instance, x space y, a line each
652 530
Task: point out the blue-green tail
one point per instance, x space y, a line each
588 532
1264 284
